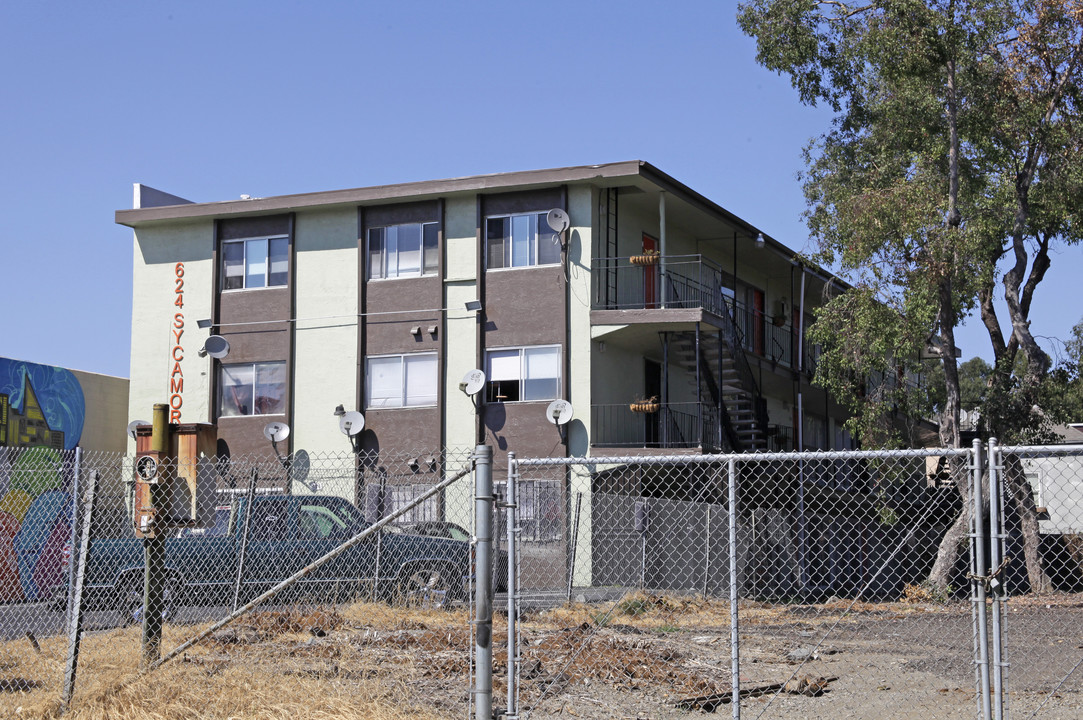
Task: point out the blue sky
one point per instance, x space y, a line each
209 100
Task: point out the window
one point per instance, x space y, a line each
400 380
255 263
529 373
520 241
406 250
252 389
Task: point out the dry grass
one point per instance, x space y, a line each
368 661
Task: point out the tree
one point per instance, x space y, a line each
957 122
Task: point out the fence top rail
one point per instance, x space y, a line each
1040 450
750 457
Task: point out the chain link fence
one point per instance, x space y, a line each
324 583
941 583
857 584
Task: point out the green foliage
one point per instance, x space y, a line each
951 166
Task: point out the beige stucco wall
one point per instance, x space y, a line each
325 342
106 422
157 250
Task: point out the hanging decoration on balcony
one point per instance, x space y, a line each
649 257
650 405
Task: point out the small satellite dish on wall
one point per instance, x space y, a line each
472 382
133 425
558 220
276 431
216 346
351 423
299 466
559 412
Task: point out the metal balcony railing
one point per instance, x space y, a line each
673 425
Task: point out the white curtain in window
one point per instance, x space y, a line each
383 386
504 365
420 379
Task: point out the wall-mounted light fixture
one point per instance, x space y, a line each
760 242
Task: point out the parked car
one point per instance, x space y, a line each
445 529
286 533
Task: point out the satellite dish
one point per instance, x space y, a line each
473 382
299 466
276 431
559 412
133 425
216 346
351 423
558 220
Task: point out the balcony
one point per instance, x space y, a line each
691 282
689 425
670 282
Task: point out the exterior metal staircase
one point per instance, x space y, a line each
725 382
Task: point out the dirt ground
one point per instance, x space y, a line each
637 658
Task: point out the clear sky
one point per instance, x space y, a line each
211 100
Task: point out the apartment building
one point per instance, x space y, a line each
668 323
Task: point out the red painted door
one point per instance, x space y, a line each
650 274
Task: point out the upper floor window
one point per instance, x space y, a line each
407 250
252 389
520 241
255 263
393 381
526 373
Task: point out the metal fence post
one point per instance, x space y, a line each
996 653
483 601
735 638
243 550
977 585
512 519
75 597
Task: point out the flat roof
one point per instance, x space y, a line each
635 172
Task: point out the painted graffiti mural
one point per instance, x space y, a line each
42 410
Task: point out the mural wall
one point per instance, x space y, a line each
42 411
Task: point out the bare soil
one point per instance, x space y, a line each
636 658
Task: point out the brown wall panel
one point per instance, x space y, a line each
396 433
237 228
391 333
420 212
525 306
523 428
251 343
525 201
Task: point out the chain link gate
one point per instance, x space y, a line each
849 584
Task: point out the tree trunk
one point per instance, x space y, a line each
1017 487
953 542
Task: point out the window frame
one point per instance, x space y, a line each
254 366
243 242
507 242
491 384
424 269
403 387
